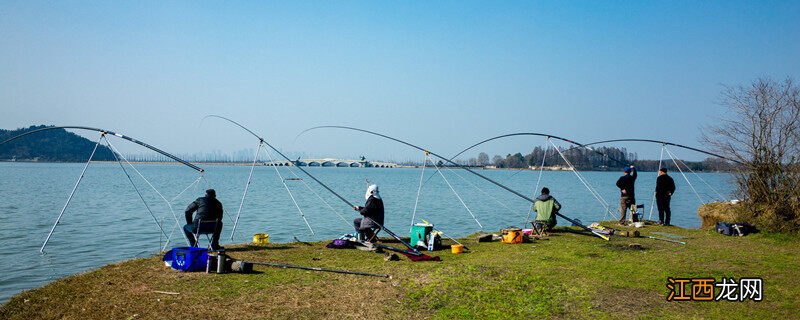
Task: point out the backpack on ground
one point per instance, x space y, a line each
735 229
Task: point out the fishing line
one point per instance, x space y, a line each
534 134
481 190
169 205
457 196
684 175
664 143
72 193
449 161
283 181
135 188
246 186
653 203
196 181
701 179
318 196
536 189
419 189
582 179
287 159
103 134
207 185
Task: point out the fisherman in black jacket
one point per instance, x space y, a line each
627 193
665 187
372 212
209 210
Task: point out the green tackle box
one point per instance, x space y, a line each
420 234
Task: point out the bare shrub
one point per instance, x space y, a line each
761 130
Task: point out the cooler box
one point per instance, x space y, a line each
188 259
420 232
512 235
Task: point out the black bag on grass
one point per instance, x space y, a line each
735 229
724 228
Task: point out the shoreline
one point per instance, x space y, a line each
490 281
242 164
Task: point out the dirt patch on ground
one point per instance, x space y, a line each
632 303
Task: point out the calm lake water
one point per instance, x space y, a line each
107 221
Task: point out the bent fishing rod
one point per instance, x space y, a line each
589 146
450 162
577 145
285 157
414 250
668 144
261 141
103 134
103 131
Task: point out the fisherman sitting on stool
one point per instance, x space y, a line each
546 208
209 211
372 212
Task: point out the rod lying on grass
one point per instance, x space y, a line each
291 266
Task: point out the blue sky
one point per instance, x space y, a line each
441 74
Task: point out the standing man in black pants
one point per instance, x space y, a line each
626 185
665 187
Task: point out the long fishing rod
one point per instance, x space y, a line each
578 145
291 266
312 177
263 141
141 143
453 163
285 157
588 145
103 135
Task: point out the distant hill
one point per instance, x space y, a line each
55 145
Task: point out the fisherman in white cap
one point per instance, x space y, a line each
372 212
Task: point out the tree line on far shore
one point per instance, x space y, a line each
596 159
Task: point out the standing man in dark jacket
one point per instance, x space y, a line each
372 212
209 210
665 187
627 193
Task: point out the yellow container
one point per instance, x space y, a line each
456 248
513 236
261 238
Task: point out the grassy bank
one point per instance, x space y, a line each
568 276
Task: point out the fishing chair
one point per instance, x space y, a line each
371 236
635 215
540 228
207 228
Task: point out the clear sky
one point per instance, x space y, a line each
437 73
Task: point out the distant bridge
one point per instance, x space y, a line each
328 162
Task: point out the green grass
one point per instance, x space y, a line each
568 276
